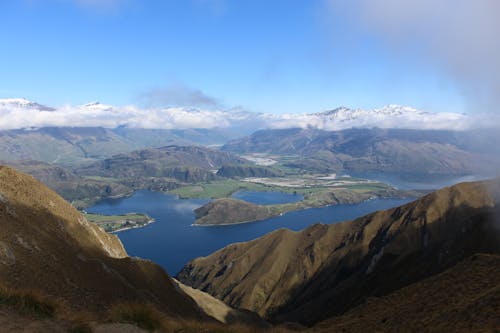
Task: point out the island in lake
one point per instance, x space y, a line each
116 223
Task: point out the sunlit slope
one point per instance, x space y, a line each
46 245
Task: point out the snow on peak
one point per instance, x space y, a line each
22 103
97 106
394 109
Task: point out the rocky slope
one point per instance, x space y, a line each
326 269
47 246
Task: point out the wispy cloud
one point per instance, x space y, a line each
458 37
177 95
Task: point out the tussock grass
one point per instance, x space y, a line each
144 316
147 317
28 302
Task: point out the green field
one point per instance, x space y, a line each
112 223
220 189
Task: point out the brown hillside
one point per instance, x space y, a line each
326 269
46 245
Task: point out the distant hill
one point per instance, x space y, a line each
157 169
324 270
183 163
237 171
363 150
77 145
80 191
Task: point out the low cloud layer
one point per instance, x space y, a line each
19 113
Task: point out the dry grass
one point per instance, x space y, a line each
144 316
28 302
147 317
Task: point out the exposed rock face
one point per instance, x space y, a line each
229 211
326 269
47 245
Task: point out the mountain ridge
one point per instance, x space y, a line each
42 233
324 270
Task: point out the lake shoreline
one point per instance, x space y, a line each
281 209
172 241
152 220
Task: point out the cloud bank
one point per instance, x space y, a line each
22 114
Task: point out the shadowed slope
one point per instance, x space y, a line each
464 298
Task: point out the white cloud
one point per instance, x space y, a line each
15 115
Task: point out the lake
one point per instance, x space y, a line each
171 241
409 182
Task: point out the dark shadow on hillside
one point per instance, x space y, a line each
341 285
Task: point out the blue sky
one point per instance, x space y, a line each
272 56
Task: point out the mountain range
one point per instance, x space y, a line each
429 153
393 139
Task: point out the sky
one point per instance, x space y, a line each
272 56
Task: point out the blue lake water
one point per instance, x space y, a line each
267 198
171 241
422 183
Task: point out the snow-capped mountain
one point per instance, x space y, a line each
390 116
22 113
22 103
344 113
